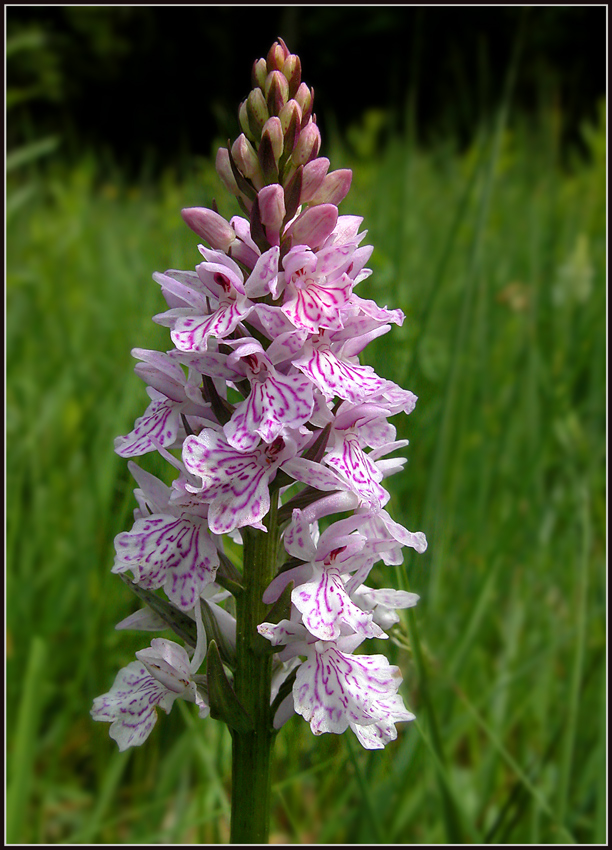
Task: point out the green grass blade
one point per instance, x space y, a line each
21 777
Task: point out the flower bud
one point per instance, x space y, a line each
292 69
290 113
272 210
276 91
244 120
224 170
276 56
258 233
290 118
210 226
305 97
246 160
307 145
334 187
314 225
267 160
312 177
293 191
260 72
257 112
274 130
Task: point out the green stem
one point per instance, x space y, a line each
251 751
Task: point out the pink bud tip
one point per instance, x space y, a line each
210 226
272 206
314 225
334 187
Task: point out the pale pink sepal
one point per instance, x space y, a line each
210 226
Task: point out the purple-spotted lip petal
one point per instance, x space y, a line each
317 304
360 473
130 705
334 377
235 483
327 609
159 424
174 552
333 689
192 331
274 405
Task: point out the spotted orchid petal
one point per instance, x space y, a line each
263 280
219 273
397 399
384 603
168 662
314 474
379 314
368 421
316 287
346 230
161 372
192 330
300 539
151 494
274 323
284 632
143 620
376 735
313 305
276 402
349 459
335 377
235 483
159 425
140 688
177 286
333 689
130 705
326 608
176 553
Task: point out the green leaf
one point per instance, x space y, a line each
224 704
281 609
180 623
228 576
214 633
28 153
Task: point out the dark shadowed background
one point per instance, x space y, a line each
151 83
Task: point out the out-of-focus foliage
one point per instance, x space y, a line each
160 82
26 44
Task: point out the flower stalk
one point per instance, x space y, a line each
251 750
271 426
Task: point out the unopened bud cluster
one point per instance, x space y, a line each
273 167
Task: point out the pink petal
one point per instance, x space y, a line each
334 377
130 705
333 689
326 607
176 553
159 424
275 404
191 333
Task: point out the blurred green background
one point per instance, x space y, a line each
478 148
